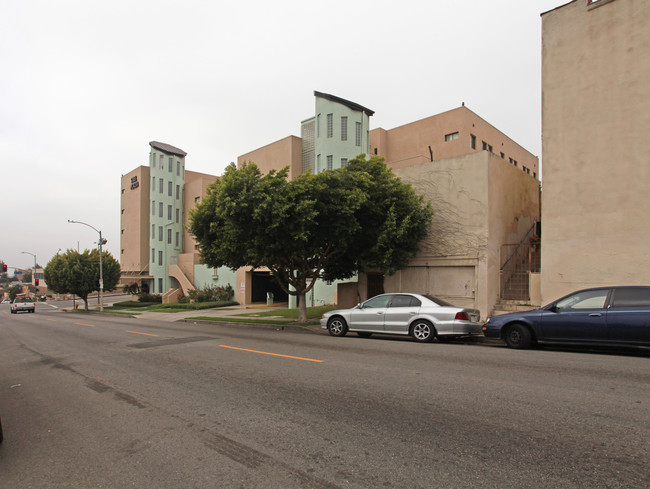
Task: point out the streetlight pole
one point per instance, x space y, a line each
101 242
33 274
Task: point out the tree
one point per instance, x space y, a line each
78 273
327 226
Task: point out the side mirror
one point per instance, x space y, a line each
359 306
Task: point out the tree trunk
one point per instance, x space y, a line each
302 308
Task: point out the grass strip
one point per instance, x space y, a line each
237 319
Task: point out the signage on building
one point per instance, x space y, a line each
134 183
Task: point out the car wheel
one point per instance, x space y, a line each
364 334
337 326
518 336
423 331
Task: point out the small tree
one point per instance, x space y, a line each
78 273
326 226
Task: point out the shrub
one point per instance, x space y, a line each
212 293
150 298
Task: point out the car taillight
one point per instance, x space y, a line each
462 316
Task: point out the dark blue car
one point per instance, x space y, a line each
600 316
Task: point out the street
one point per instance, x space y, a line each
95 401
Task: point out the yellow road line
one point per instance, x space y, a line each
48 319
145 334
84 324
273 354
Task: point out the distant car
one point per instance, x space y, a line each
422 316
598 316
23 304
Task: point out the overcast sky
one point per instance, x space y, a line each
85 85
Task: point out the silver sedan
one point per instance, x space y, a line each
422 316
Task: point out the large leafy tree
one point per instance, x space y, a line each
78 273
326 226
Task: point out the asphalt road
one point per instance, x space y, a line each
92 401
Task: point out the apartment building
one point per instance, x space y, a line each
595 125
157 251
483 186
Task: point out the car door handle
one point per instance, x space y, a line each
595 315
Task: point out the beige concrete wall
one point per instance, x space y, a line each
134 221
409 144
277 155
481 202
595 102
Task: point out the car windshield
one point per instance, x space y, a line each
438 301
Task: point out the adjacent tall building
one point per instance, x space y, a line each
595 125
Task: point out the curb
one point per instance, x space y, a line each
312 328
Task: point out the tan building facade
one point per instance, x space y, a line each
595 124
453 133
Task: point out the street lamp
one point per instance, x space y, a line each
101 242
33 274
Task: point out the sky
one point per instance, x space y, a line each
86 85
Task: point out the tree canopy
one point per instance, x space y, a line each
326 226
78 273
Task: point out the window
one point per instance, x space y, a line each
472 141
357 133
451 137
169 212
171 165
153 231
485 145
160 233
404 301
330 159
160 185
161 163
330 125
160 253
123 191
122 252
377 302
153 184
169 236
344 128
587 299
160 284
177 237
503 155
153 207
490 148
170 186
178 192
122 232
178 168
153 160
177 211
160 209
197 199
153 255
534 175
632 297
318 126
344 162
122 211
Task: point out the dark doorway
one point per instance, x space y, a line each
263 283
375 284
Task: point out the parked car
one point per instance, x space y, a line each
23 304
5 301
598 316
422 316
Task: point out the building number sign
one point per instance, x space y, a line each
134 183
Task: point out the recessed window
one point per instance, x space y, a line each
122 211
122 232
197 199
178 192
451 136
344 162
485 145
177 238
178 168
123 191
160 209
153 231
171 164
177 215
344 128
169 212
357 133
153 184
503 156
330 160
160 185
170 186
330 125
153 255
160 233
317 163
169 236
472 141
318 126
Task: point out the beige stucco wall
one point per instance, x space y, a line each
409 144
196 186
277 155
481 202
596 106
134 221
